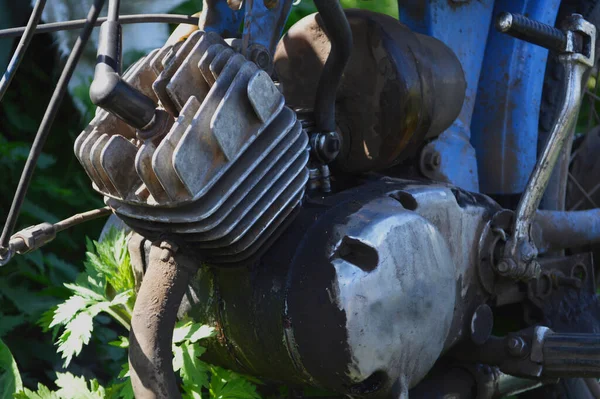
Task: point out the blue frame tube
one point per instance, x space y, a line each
462 26
505 121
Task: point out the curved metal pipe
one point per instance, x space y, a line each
338 31
154 316
566 229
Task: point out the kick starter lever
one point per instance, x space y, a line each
575 44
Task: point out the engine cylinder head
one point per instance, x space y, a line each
224 169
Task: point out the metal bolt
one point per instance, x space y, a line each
325 146
432 160
503 267
261 57
516 346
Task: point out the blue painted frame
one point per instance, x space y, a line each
504 87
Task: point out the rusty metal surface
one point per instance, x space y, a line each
398 88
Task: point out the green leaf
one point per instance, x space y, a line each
177 358
66 311
42 393
123 342
10 378
191 332
193 370
77 334
199 332
181 331
226 384
10 322
74 387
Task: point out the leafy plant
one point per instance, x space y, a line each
10 379
107 285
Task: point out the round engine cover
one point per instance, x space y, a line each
357 296
399 88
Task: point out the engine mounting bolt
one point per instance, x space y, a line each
516 346
325 146
503 267
261 57
432 160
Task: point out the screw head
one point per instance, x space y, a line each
503 266
516 346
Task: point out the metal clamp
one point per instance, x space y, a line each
577 55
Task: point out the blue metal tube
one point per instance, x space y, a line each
505 120
461 25
555 230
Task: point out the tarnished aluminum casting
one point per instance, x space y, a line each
360 295
223 166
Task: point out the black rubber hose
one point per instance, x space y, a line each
108 90
46 124
80 23
338 31
152 324
22 47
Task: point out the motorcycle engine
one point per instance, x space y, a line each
358 291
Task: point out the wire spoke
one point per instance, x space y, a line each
22 47
123 19
587 195
46 124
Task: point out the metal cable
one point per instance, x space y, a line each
45 125
123 19
17 57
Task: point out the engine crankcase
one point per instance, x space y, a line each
223 168
361 295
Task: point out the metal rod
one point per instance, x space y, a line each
81 218
22 47
339 33
566 229
113 10
123 19
534 32
46 124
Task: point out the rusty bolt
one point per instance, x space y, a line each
516 346
261 57
432 160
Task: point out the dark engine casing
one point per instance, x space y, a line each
399 87
360 295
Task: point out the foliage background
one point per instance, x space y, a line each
32 284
